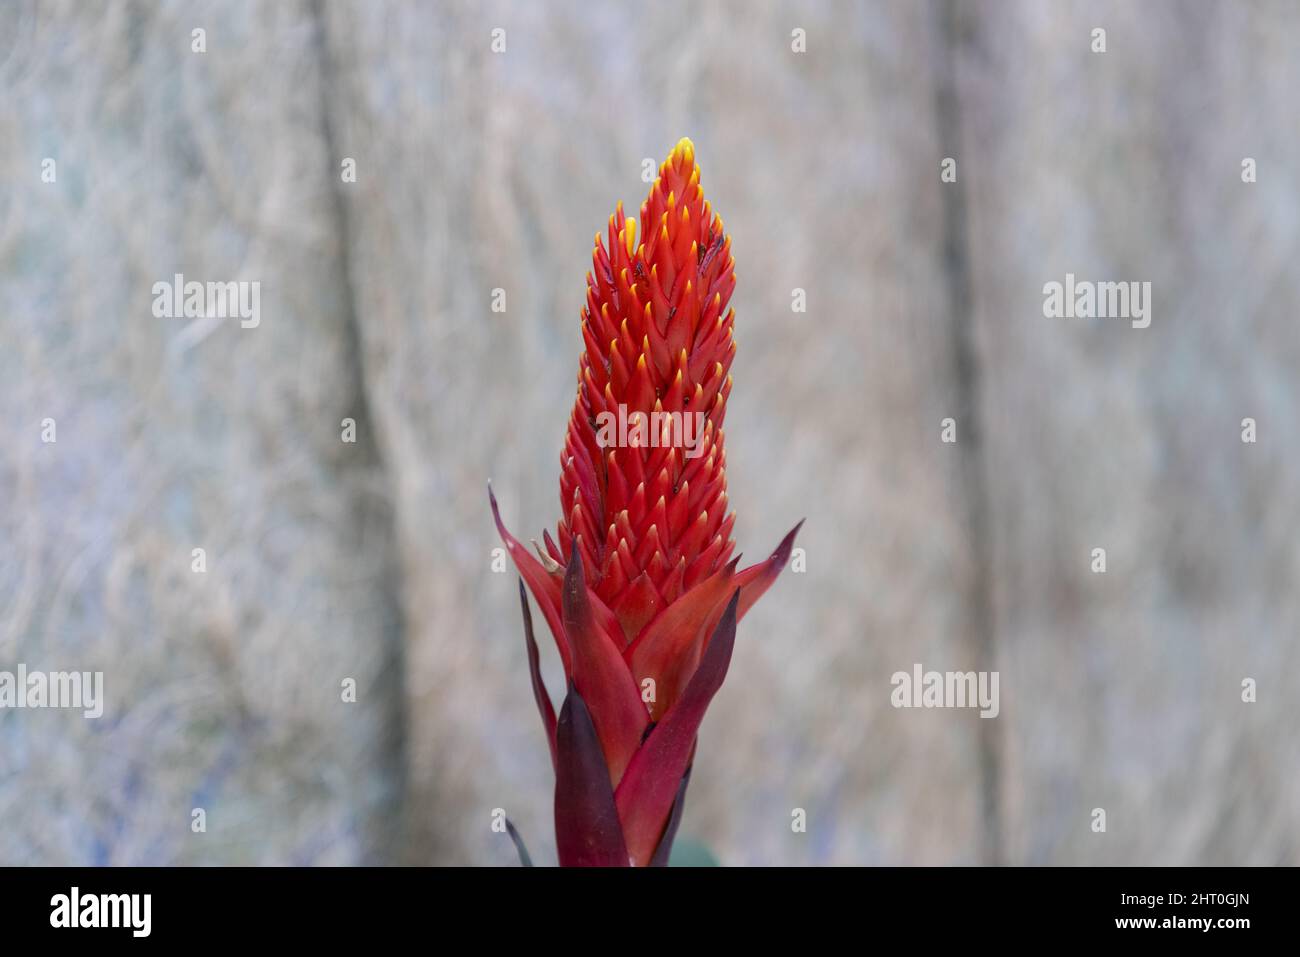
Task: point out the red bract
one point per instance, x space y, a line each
639 586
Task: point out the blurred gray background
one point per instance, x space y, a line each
479 170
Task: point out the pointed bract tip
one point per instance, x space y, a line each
782 553
525 859
496 511
575 582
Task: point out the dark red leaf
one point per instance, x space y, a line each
665 849
587 829
649 786
525 859
544 706
544 586
756 579
600 674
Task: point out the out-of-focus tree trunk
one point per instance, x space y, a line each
1122 691
224 688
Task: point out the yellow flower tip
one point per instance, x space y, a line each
684 151
672 199
629 234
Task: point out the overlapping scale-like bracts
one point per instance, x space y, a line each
652 520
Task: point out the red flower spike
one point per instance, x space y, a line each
638 585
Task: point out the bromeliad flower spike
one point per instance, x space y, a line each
639 586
